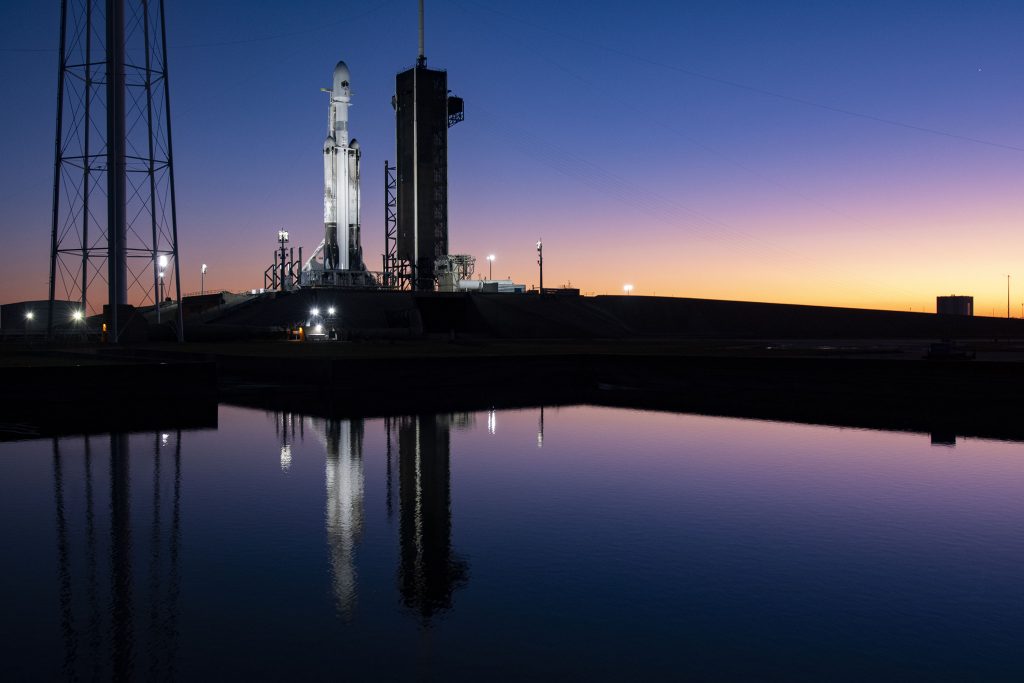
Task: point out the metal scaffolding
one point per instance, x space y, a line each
397 272
113 147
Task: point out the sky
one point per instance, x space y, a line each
864 153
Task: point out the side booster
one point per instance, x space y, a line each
342 246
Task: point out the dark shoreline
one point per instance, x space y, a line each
856 384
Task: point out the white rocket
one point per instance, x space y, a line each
342 250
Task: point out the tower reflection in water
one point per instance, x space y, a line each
136 633
429 571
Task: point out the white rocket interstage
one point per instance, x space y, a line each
342 249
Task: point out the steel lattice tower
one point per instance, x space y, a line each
114 217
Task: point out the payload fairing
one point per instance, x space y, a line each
341 249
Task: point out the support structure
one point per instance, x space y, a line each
424 111
113 146
397 273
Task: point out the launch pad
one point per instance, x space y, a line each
416 255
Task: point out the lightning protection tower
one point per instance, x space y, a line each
114 224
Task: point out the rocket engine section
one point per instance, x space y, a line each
342 246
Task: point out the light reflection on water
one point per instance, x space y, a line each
617 544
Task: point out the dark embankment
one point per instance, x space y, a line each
366 314
55 393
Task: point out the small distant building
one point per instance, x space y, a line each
500 286
954 305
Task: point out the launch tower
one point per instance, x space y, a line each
424 111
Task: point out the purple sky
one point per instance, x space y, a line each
844 153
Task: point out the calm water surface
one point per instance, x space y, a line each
582 543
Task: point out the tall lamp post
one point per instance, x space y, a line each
540 262
202 280
282 237
490 267
162 262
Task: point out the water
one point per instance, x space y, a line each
580 543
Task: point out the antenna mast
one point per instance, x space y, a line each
422 59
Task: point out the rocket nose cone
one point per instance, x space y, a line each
341 74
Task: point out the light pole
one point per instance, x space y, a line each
162 263
282 237
202 280
490 267
627 288
1007 297
540 262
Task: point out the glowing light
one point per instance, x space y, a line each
627 288
282 235
492 421
29 315
490 257
162 261
319 328
330 311
204 269
76 316
314 312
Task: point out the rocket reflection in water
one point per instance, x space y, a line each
429 572
344 480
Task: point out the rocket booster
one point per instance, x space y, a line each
342 250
